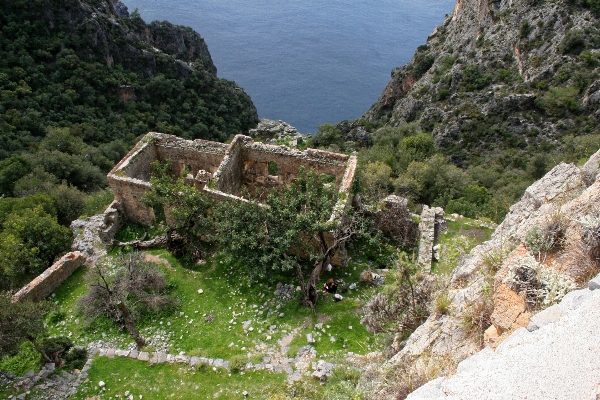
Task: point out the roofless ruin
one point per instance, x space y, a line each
222 170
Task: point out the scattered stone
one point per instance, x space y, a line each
200 291
101 384
310 339
281 315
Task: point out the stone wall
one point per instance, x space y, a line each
226 168
393 218
432 219
42 286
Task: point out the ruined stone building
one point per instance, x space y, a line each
222 170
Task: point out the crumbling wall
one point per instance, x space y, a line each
51 278
226 168
193 155
432 221
227 179
394 220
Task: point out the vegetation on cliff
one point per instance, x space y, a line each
505 91
79 83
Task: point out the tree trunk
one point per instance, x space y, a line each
39 349
310 291
128 319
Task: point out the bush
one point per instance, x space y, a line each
573 42
558 100
27 359
422 64
237 363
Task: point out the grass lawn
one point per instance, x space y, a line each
231 317
232 300
123 376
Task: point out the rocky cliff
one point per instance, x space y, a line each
500 75
108 76
547 246
105 30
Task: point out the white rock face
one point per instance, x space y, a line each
559 360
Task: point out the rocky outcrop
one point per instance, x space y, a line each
492 286
556 357
277 132
490 72
105 29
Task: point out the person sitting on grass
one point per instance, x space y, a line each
330 286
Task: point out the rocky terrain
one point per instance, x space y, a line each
498 75
547 246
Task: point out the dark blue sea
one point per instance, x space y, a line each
306 62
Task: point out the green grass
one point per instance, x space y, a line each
460 237
173 381
232 298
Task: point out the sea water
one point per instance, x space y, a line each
306 62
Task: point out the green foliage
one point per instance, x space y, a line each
473 79
51 78
25 360
559 100
19 322
375 180
237 363
69 203
433 181
594 5
525 29
9 205
11 170
573 42
186 207
326 135
30 242
261 237
422 63
96 203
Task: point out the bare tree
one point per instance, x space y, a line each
123 294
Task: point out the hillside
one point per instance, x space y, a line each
108 76
500 75
80 82
506 90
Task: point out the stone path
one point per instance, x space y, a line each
275 360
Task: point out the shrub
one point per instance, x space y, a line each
558 100
237 363
422 63
75 358
540 241
573 42
538 285
525 29
476 318
442 302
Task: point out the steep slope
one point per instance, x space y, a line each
500 79
548 245
108 76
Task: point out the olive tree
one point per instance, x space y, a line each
125 292
292 231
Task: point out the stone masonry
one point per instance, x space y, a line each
432 221
224 171
51 278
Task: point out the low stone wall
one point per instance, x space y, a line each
51 278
